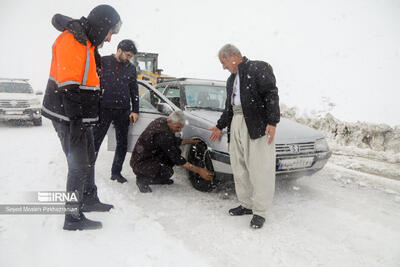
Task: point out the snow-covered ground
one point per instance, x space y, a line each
341 216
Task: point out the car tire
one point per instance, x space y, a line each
199 156
37 122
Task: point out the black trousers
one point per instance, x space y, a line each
120 118
163 175
80 158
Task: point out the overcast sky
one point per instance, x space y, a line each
345 52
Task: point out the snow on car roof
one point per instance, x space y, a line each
196 81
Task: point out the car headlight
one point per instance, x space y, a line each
34 102
321 145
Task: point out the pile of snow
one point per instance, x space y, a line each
379 141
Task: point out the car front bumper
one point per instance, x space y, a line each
222 167
20 114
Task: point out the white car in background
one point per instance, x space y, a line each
18 102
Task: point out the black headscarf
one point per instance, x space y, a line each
101 20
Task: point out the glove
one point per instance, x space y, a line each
76 131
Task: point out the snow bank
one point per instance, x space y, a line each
378 141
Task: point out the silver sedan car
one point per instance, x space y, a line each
300 150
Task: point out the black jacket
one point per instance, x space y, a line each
156 145
119 83
258 96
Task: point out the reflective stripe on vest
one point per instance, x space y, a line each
92 88
87 65
64 118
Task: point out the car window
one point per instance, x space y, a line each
160 88
173 94
148 100
13 87
205 96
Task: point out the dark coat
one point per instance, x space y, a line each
157 145
119 83
258 96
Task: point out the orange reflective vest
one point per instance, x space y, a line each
73 88
74 63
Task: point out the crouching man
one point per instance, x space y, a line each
157 151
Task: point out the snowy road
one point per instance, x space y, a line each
338 217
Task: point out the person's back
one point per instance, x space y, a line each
157 151
146 152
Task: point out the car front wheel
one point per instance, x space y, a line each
200 157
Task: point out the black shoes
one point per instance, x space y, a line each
167 182
144 184
257 221
143 187
80 222
91 202
98 206
121 179
240 211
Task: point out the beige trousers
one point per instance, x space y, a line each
253 166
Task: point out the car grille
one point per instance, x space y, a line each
14 104
299 148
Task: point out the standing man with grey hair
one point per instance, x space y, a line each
157 151
251 114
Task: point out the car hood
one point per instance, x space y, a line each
16 96
208 115
287 131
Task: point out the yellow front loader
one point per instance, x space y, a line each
147 68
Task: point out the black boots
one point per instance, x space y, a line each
240 211
121 179
143 187
165 181
80 222
257 221
91 202
144 184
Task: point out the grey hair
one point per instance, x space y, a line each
229 49
177 117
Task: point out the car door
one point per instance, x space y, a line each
151 104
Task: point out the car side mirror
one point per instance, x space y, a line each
39 93
164 108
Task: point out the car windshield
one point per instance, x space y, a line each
11 87
205 97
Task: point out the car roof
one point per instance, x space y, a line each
194 81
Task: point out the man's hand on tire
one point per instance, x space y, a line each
206 174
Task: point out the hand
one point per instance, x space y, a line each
215 133
206 174
270 133
75 131
133 117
